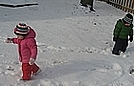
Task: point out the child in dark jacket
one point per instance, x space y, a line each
27 49
122 30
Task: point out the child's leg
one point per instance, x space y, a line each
124 46
26 69
35 68
116 49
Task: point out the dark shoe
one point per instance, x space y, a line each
92 9
132 71
115 53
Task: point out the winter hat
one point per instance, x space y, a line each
128 18
21 29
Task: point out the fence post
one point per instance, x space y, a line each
125 5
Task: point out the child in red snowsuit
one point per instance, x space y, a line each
27 49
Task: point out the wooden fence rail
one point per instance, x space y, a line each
125 5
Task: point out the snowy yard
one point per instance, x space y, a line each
74 46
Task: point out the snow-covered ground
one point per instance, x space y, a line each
74 46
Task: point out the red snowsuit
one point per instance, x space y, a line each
27 49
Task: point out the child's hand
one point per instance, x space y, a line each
9 40
31 61
131 38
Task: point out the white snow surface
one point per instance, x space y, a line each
74 45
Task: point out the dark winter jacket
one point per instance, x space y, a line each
122 31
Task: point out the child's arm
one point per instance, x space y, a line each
117 29
33 47
9 40
31 43
12 40
15 40
131 34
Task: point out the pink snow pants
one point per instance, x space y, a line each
28 70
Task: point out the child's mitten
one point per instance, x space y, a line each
131 38
31 61
9 40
